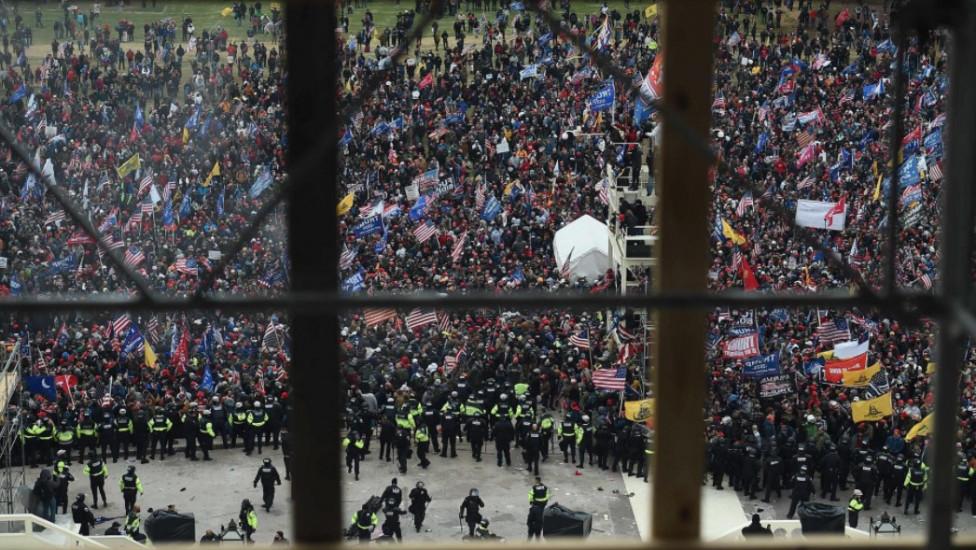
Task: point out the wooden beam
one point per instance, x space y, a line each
316 400
683 260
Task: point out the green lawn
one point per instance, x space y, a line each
205 15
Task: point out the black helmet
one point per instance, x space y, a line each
80 497
132 469
267 461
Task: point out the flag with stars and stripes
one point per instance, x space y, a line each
152 329
376 316
54 218
832 330
134 221
459 247
805 182
580 339
145 182
614 379
745 202
271 340
736 260
444 321
935 171
146 207
479 196
121 324
347 258
134 256
424 231
419 318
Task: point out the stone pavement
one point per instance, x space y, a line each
505 492
212 491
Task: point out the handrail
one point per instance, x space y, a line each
29 520
736 532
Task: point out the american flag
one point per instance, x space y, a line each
444 322
610 379
146 207
168 190
419 318
458 247
135 220
479 196
832 330
121 324
423 232
580 339
182 267
110 220
805 182
763 113
134 256
736 260
377 316
925 280
146 182
935 171
371 209
604 191
804 138
745 202
271 339
54 217
152 329
109 245
452 361
719 103
565 270
347 258
847 96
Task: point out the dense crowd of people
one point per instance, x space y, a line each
483 139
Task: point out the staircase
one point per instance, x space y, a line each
27 531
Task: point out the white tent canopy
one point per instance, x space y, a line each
588 241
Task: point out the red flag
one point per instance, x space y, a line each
65 382
837 209
834 370
182 352
426 81
748 277
842 17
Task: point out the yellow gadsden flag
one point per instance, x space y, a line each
639 411
650 11
731 234
150 355
129 166
345 204
226 12
872 410
215 171
861 378
921 429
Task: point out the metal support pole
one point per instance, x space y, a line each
316 400
957 241
683 248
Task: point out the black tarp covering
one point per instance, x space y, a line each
560 521
818 517
166 526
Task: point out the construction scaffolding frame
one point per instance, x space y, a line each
679 298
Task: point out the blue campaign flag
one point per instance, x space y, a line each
18 94
15 287
419 209
850 70
873 90
398 123
912 193
346 138
355 282
813 367
220 204
194 120
868 137
518 6
779 315
263 181
604 98
139 119
381 128
207 383
133 341
380 245
887 47
492 209
185 205
933 141
761 142
742 330
205 127
531 71
908 173
761 366
372 224
545 39
518 275
168 213
42 385
61 266
455 118
642 110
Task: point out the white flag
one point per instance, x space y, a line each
814 214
